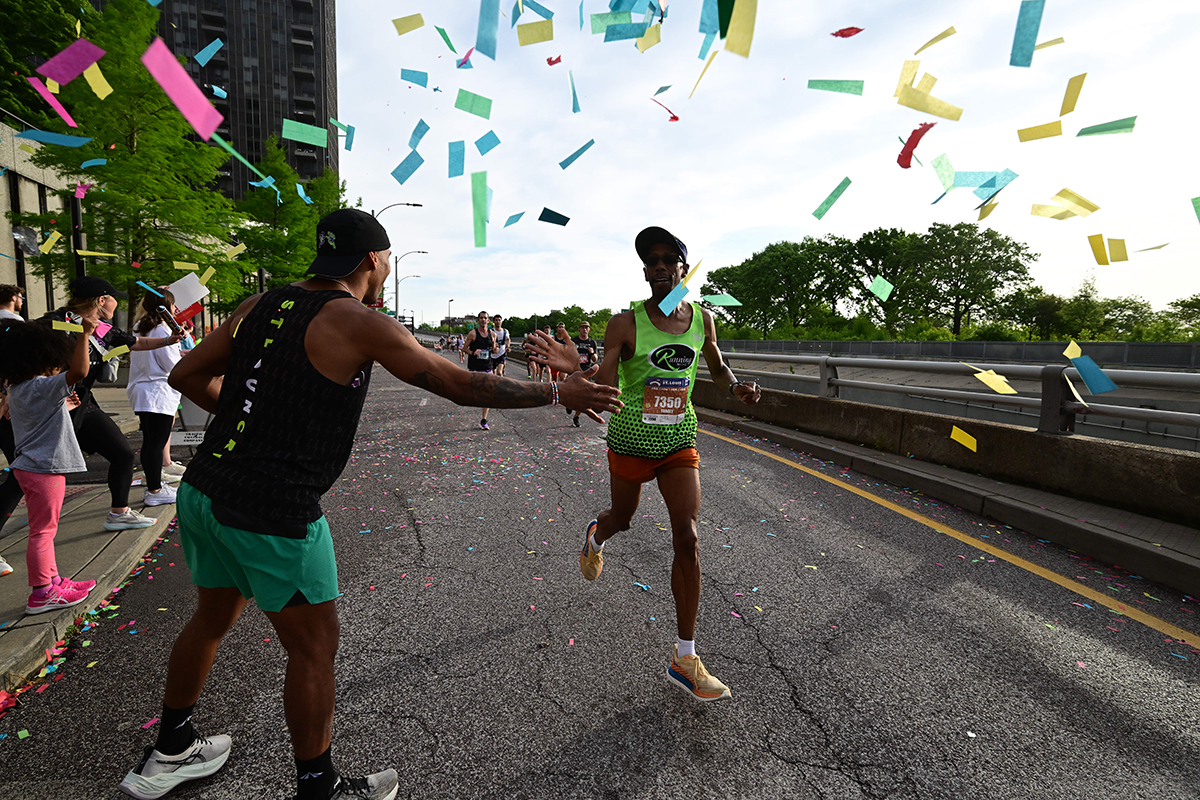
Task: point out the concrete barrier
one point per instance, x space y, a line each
1153 481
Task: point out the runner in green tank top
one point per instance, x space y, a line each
654 356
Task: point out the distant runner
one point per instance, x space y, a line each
503 339
588 349
480 347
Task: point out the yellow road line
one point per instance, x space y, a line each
1149 620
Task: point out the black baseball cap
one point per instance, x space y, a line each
343 240
655 235
89 286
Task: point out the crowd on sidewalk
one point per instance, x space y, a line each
49 417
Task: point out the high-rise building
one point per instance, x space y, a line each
279 61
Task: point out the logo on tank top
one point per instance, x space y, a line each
673 357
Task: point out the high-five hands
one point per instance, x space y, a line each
578 392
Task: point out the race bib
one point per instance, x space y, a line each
664 401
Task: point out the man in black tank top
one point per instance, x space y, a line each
480 346
287 406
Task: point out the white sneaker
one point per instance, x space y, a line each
158 774
5 569
130 520
174 468
160 498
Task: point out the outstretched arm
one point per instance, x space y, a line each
748 392
198 377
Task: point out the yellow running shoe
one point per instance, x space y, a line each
591 560
690 675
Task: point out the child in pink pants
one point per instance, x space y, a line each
32 359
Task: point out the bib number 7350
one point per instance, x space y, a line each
664 401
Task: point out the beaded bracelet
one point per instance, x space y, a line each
553 393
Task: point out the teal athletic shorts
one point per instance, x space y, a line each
270 569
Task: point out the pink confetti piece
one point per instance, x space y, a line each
1081 665
71 61
182 90
570 642
148 724
739 616
52 100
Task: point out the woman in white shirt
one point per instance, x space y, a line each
153 400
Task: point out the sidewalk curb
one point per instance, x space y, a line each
22 649
1171 568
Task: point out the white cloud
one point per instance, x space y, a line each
755 151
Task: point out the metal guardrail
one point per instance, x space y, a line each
1056 406
1154 355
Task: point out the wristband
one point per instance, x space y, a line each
553 393
735 383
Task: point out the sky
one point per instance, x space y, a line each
755 151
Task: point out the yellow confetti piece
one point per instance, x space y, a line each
535 32
408 24
208 273
1075 202
116 351
1117 251
1074 391
52 86
809 566
71 327
94 663
96 80
186 265
908 74
1051 212
94 253
987 210
943 35
653 36
997 383
51 240
1050 43
26 148
693 272
236 327
234 252
1073 350
759 608
1097 243
963 438
1156 247
1074 87
1040 131
926 84
929 104
741 27
707 64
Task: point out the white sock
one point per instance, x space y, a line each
592 539
687 647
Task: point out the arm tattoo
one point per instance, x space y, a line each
495 392
430 382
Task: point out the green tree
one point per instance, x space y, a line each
281 230
152 202
1038 314
902 259
34 31
973 272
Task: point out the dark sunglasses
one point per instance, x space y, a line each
666 261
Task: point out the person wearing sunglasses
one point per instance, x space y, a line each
652 355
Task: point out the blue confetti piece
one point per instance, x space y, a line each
625 30
46 137
709 38
569 160
487 143
207 53
91 162
150 289
489 28
415 76
219 92
676 296
418 134
1093 377
1029 20
513 221
407 167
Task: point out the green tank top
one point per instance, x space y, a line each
656 387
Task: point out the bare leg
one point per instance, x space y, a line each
619 516
680 489
310 635
196 646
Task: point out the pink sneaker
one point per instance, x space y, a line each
67 583
55 599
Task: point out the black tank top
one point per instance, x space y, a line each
283 431
481 342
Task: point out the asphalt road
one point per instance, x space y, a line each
869 655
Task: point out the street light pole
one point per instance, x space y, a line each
448 325
393 205
396 272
